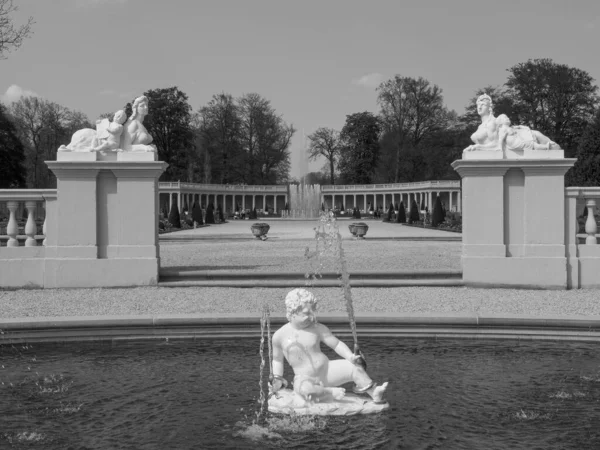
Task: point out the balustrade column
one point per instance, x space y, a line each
12 229
450 201
44 228
179 201
170 201
30 226
590 224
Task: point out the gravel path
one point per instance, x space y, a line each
154 300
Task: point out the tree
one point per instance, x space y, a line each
265 138
437 215
11 37
325 142
169 122
359 151
401 217
410 110
12 154
220 131
555 99
586 171
43 126
174 218
197 214
414 212
210 214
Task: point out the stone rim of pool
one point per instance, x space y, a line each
220 326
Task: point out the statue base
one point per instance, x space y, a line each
512 154
105 156
287 401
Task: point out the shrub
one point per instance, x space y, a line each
197 214
174 217
414 213
390 212
438 215
401 216
220 214
210 214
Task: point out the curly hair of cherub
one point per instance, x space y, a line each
296 298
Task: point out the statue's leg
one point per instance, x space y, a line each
342 371
311 389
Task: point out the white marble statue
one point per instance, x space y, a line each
135 137
520 137
495 138
108 134
486 136
317 380
114 136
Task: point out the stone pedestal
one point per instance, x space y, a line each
513 222
104 230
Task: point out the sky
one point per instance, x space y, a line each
316 61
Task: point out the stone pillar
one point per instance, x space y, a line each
513 222
104 230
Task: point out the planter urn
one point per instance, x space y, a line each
361 230
260 230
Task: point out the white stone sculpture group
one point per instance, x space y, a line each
496 134
116 136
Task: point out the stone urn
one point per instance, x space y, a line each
260 230
361 229
352 230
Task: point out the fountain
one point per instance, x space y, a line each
317 380
304 201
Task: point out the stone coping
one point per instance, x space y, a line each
226 326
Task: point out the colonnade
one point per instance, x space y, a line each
227 196
274 198
424 194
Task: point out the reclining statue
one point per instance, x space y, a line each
114 136
497 134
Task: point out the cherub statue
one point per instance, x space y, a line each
521 137
316 378
108 134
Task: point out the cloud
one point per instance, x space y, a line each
14 93
371 80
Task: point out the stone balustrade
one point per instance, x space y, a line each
13 202
583 251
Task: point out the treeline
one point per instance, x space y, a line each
414 137
241 140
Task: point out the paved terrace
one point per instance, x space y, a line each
230 247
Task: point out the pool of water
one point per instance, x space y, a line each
203 395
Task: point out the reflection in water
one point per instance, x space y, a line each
189 395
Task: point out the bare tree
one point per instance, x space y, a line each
11 37
325 142
265 138
411 109
42 127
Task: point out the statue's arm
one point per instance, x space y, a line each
277 356
335 344
277 381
